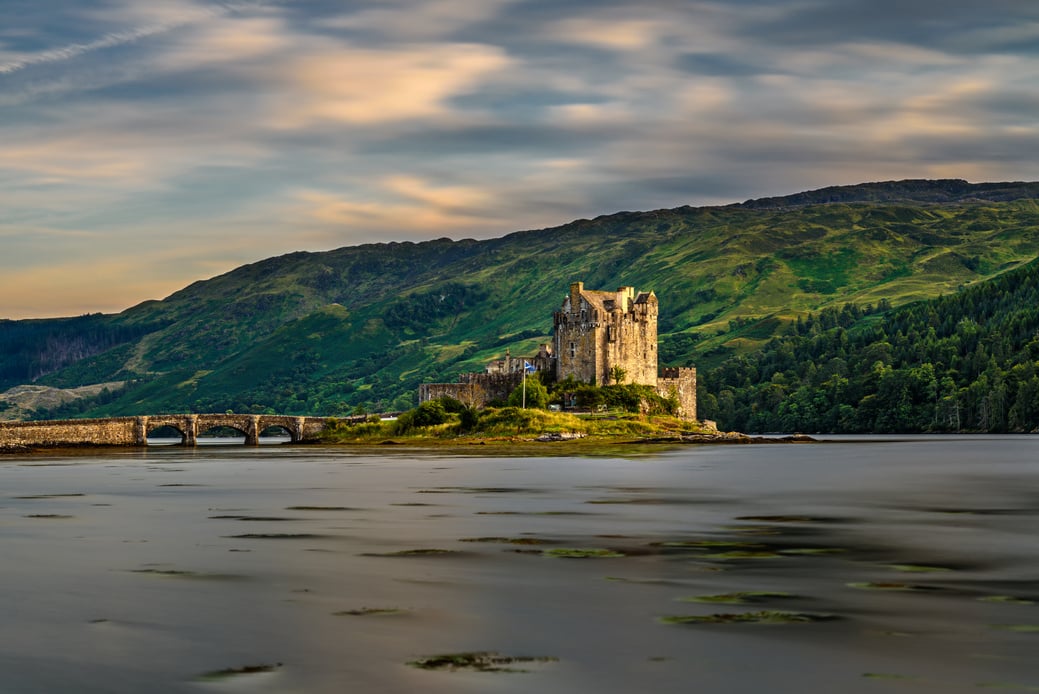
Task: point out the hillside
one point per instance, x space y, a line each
964 362
322 333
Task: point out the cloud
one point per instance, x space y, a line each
182 15
405 205
369 87
418 20
621 35
250 129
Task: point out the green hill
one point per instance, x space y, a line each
963 362
321 333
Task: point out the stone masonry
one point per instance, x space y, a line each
599 332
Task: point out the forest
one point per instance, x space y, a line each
964 362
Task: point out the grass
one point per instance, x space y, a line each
505 425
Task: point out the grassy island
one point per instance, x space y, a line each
440 422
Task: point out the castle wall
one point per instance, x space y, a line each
631 344
473 389
682 383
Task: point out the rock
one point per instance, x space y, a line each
561 436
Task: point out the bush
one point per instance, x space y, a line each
451 404
629 397
536 395
427 414
468 419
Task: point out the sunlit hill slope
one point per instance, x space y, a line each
322 333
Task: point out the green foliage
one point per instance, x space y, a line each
427 414
420 311
451 404
509 421
536 394
30 349
964 362
468 419
630 397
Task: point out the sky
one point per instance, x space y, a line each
146 145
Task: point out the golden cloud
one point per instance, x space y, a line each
368 87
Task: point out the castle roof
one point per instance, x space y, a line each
607 301
599 299
644 297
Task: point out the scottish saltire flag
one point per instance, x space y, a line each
528 367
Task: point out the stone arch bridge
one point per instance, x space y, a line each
133 431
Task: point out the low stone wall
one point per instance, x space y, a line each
116 431
475 389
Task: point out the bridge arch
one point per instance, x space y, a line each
293 425
160 432
243 424
182 424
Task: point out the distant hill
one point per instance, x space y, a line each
323 333
943 191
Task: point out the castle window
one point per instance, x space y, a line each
584 315
573 350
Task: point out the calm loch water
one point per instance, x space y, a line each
848 566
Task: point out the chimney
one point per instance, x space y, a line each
575 296
625 297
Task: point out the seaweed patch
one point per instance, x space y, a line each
739 598
581 553
431 552
236 671
479 661
762 617
369 612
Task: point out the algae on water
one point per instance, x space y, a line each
480 661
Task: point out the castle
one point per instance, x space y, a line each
600 338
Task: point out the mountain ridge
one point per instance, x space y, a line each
324 332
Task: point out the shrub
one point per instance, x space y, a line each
451 404
469 419
536 395
427 414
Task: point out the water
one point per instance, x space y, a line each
146 570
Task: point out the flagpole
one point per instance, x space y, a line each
524 385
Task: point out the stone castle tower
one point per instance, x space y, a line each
595 333
598 332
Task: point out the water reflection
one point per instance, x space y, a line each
904 565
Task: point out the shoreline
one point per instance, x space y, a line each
539 442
